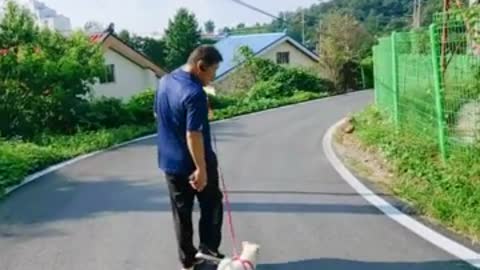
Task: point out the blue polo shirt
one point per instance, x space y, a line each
181 106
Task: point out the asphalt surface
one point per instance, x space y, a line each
112 212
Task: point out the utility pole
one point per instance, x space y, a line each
446 9
414 16
303 26
474 46
417 13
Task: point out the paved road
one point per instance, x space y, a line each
112 212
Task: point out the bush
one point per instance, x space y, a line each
141 107
268 89
246 105
222 101
105 112
43 76
287 83
301 96
294 79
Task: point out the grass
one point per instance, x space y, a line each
447 192
18 158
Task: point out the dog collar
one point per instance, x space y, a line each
245 263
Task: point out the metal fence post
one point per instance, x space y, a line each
439 90
395 79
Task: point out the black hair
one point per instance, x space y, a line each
208 54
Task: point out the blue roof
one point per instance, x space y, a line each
228 47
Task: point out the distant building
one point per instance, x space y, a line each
128 71
212 36
277 47
43 15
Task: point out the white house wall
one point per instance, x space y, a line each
130 78
297 58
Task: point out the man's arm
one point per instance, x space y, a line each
197 112
197 150
155 98
155 106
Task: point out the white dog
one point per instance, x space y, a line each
246 261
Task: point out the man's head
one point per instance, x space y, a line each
204 62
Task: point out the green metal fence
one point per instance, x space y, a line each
428 81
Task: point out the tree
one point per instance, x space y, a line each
13 19
154 49
209 27
151 47
125 36
226 30
181 38
44 76
343 42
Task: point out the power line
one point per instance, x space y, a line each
240 2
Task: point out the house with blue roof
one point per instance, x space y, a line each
278 47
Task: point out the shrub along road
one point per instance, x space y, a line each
111 211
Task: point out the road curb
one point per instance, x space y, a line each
452 247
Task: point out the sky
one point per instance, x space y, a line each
147 16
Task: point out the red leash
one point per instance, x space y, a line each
245 263
229 213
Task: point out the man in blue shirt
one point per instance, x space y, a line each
186 156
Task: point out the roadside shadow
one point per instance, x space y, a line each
297 192
341 264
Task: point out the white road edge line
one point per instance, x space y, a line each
58 166
437 239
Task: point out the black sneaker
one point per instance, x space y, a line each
195 263
198 261
209 255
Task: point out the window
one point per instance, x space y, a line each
283 58
109 76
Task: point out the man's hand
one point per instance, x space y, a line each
198 180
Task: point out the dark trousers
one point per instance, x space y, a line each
182 197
